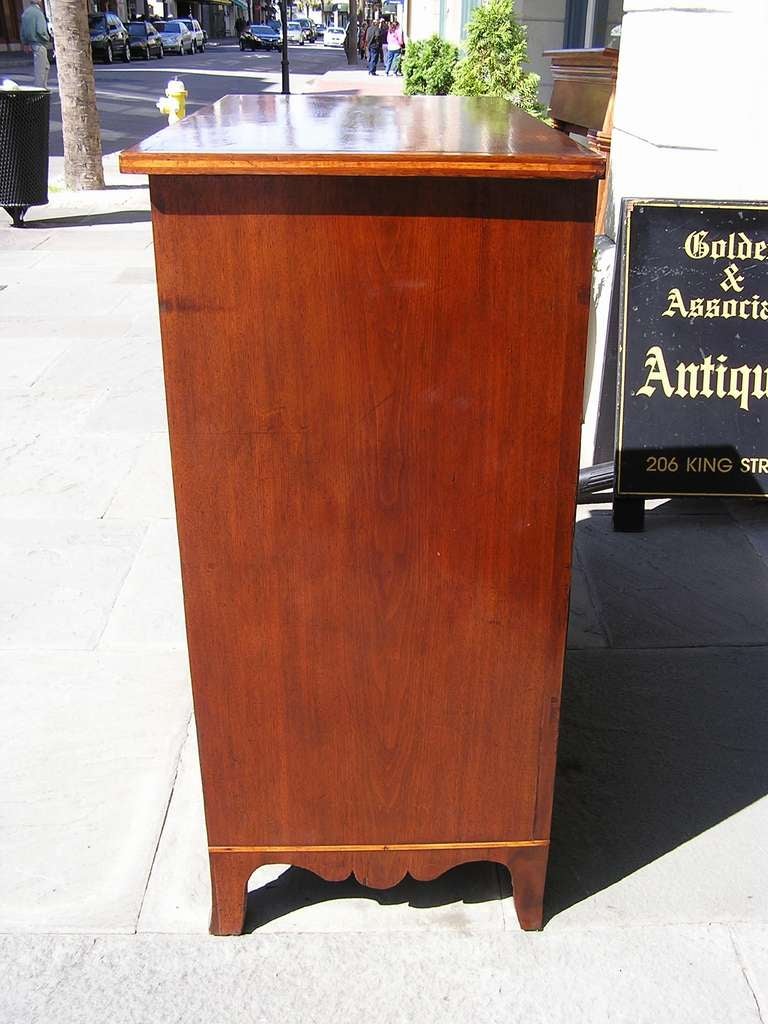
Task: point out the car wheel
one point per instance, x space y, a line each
193 48
108 55
160 52
202 47
147 54
242 46
127 54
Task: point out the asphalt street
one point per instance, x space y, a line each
127 93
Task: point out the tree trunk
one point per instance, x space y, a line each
77 90
354 15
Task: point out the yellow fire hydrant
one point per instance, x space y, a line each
174 103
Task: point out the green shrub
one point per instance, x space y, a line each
492 64
429 66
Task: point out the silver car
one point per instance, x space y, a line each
198 34
176 37
295 33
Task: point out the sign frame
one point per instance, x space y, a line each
628 206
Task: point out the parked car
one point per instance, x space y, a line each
295 33
335 36
175 36
308 29
319 31
109 37
260 37
196 29
145 40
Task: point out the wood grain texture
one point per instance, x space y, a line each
375 494
583 100
380 847
341 135
584 84
231 871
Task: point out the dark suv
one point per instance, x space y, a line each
109 37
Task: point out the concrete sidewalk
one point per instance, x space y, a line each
356 81
656 903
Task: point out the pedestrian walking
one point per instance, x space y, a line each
383 29
395 44
372 46
34 34
361 39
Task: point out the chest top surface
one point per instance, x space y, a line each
363 135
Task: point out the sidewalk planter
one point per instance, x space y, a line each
375 502
24 119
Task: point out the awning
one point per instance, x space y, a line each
241 4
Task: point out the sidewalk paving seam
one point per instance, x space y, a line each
161 830
119 589
592 594
676 648
745 973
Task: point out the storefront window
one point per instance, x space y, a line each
589 23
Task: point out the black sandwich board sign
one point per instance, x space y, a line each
692 415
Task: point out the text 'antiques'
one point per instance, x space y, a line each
694 365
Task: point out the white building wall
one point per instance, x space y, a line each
545 24
423 18
690 101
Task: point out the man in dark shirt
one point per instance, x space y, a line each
34 34
372 45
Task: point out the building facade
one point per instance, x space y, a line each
216 16
550 24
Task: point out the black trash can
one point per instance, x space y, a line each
24 117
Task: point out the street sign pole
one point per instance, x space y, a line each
284 62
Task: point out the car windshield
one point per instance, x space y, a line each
261 30
137 28
97 21
172 26
187 22
294 25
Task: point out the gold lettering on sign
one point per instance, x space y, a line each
737 246
694 380
733 280
657 371
713 377
753 308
